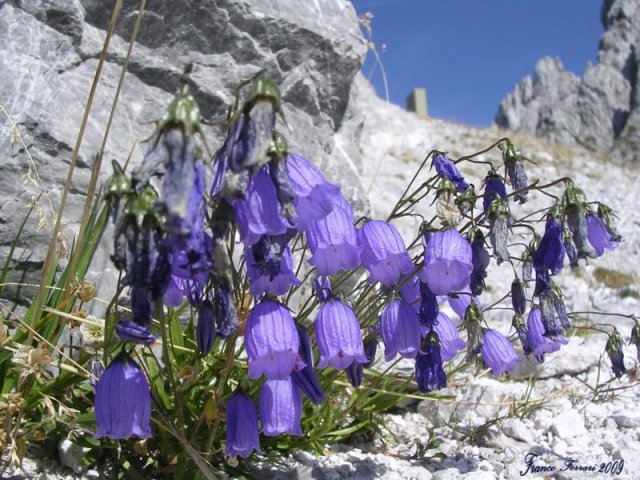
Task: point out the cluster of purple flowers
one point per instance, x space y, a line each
172 248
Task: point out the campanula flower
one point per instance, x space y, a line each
450 340
494 189
461 302
314 195
635 338
355 371
446 168
338 336
599 237
498 353
333 240
400 330
552 328
539 344
521 329
306 378
280 407
499 229
383 252
242 426
616 355
608 216
224 309
447 262
430 374
570 248
514 163
270 266
130 331
206 327
140 306
518 297
428 312
557 298
480 262
575 203
272 342
123 401
549 255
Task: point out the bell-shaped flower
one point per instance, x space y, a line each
306 378
599 237
338 336
480 261
552 328
272 342
383 252
446 168
206 327
258 213
518 297
616 355
498 353
447 262
430 374
314 195
514 163
450 340
123 401
429 306
224 309
550 253
130 331
537 342
280 407
270 267
493 189
243 436
333 240
400 330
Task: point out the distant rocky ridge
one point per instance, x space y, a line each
601 110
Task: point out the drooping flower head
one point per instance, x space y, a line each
494 189
616 355
333 240
498 353
400 330
224 309
521 329
635 338
518 297
242 426
280 407
383 252
123 401
130 331
599 237
270 266
549 256
306 378
428 312
206 327
480 261
447 262
338 336
272 342
460 302
499 229
450 340
430 374
250 138
446 168
540 344
552 328
258 213
609 217
355 371
575 205
314 195
514 163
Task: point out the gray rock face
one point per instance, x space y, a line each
599 110
49 51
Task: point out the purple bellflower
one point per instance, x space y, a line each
450 340
314 195
548 313
400 330
306 378
258 213
140 306
355 371
430 374
513 161
575 203
480 262
499 218
338 336
498 353
130 331
493 189
243 436
538 343
224 309
599 237
549 255
570 248
410 293
333 240
322 287
428 306
272 342
518 297
123 401
635 338
447 261
521 329
270 266
206 327
280 407
616 355
446 168
383 252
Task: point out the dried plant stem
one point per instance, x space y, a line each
51 252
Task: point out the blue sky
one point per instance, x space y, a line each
469 54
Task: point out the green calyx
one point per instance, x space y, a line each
614 343
183 112
473 314
446 186
140 206
468 196
517 321
118 184
265 88
635 333
574 196
512 154
498 206
279 147
431 338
